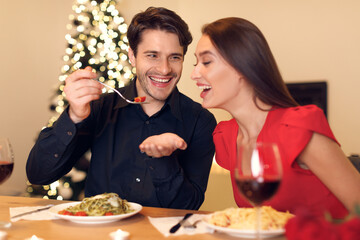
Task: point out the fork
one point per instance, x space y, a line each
127 100
191 225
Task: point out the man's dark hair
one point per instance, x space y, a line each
158 18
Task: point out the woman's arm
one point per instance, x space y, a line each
328 162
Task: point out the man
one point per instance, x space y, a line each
156 154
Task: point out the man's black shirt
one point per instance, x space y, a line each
113 133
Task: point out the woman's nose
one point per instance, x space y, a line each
194 74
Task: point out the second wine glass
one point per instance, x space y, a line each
6 167
258 174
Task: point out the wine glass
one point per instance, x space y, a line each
6 166
258 174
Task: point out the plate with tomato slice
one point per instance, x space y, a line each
81 217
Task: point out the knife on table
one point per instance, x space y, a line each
33 211
178 225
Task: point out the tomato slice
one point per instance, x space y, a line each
140 99
80 213
64 212
109 214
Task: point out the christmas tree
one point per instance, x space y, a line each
96 38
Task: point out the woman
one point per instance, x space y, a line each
238 73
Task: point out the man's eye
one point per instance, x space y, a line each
151 55
176 58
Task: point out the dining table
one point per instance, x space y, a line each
137 225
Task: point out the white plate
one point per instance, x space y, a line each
245 233
93 219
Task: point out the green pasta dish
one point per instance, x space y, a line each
106 204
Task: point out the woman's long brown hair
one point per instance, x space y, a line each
244 47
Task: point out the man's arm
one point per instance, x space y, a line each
56 151
58 147
180 180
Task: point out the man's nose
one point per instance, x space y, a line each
164 67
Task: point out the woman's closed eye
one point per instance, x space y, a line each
203 63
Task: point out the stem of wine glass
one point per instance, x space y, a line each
258 222
4 224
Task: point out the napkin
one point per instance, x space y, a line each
42 215
163 225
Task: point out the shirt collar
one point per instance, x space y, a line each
173 101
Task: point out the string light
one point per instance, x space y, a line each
96 38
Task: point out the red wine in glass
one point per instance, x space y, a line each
6 169
258 174
257 190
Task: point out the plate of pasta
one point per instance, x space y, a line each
241 222
103 208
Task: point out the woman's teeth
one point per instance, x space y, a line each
205 87
161 80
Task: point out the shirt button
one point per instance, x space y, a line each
69 133
137 179
56 155
147 122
